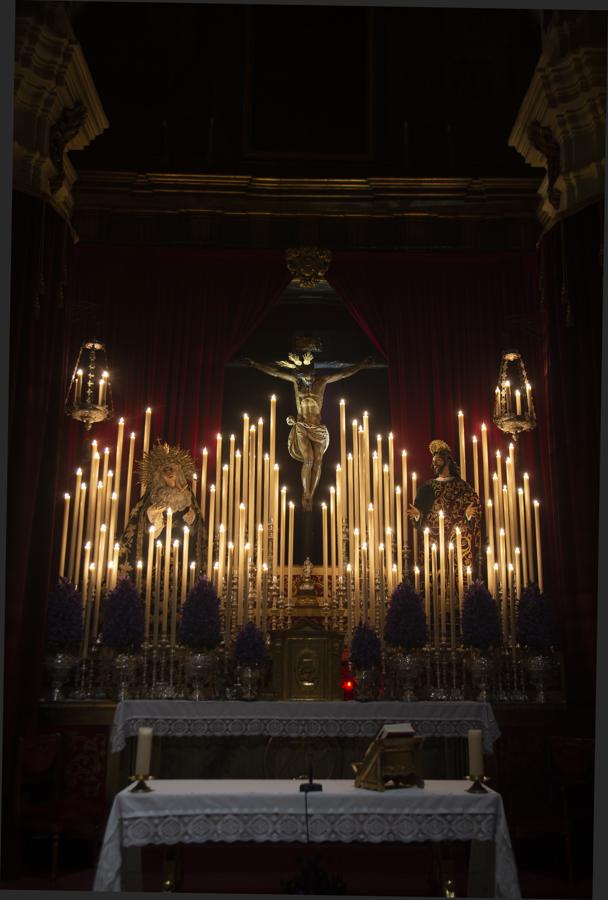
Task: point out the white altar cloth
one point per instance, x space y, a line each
184 811
292 718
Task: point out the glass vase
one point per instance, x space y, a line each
60 665
124 672
539 670
481 667
249 677
201 669
405 668
366 683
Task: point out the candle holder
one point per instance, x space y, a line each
80 401
512 375
478 784
140 786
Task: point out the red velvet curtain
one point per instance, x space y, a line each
442 322
171 317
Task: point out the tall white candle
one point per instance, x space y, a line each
522 536
266 513
442 573
74 529
475 465
332 537
146 443
325 560
230 519
79 535
459 567
211 531
399 548
204 484
246 463
281 538
290 552
144 751
351 497
539 558
391 477
475 753
485 462
127 507
463 455
218 464
64 534
528 512
272 445
427 576
258 477
251 489
157 582
339 517
149 564
186 551
85 574
343 448
275 516
414 530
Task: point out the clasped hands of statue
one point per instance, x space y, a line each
414 513
157 516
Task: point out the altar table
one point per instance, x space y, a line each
197 812
300 719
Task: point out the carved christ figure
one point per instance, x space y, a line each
309 438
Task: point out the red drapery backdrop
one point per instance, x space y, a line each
171 317
442 322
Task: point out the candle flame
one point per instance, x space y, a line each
140 564
175 544
502 532
342 402
332 490
536 503
151 529
460 413
450 546
474 439
356 531
121 421
186 529
159 545
260 421
66 496
192 565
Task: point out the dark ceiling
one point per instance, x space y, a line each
307 91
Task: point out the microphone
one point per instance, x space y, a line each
310 785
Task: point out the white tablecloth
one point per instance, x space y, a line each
292 718
183 811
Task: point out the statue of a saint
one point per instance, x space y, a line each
447 491
309 438
167 474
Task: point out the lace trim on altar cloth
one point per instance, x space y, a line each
179 726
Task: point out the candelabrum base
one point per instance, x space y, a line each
140 786
477 787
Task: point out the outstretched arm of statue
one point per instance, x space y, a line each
271 370
349 370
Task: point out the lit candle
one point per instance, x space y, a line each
511 605
83 500
414 530
239 556
144 751
332 537
118 459
91 600
108 496
211 531
146 444
186 550
339 517
475 753
343 449
356 482
275 515
387 502
237 492
451 595
380 504
258 479
416 579
522 536
497 401
486 464
174 592
463 455
224 506
490 520
149 564
272 443
85 574
204 483
115 563
490 570
528 513
157 580
101 397
469 577
192 574
497 506
218 464
127 509
230 519
381 596
518 402
366 456
529 397
113 513
518 572
325 572
100 568
138 575
365 583
427 576
508 398
404 493
78 398
399 548
290 552
98 494
442 573
391 476
258 577
266 502
216 567
350 513
281 539
475 465
356 565
459 567
507 527
246 463
221 562
435 592
363 502
375 490
539 559
389 559
93 495
167 569
64 534
251 489
503 582
372 563
104 481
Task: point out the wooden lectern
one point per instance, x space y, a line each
392 760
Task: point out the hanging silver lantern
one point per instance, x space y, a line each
89 395
513 404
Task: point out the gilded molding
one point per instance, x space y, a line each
56 106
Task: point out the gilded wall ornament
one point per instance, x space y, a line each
308 265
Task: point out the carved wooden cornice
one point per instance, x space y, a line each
57 108
562 120
239 195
